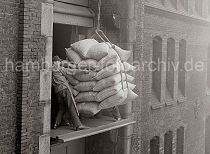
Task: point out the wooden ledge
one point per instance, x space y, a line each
181 99
170 102
64 134
157 106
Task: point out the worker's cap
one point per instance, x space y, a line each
56 58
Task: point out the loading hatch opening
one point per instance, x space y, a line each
63 36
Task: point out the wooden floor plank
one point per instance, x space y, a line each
64 134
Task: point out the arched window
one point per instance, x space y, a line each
209 7
170 64
180 141
156 68
184 4
182 71
207 135
174 3
159 2
155 145
208 68
199 6
168 139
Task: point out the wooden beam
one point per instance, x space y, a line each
76 2
97 126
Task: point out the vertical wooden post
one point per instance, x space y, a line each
127 40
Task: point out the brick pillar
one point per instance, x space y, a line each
31 48
46 75
162 143
174 141
127 40
176 71
163 70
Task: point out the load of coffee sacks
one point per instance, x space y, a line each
106 82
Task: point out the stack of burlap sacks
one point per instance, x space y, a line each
105 83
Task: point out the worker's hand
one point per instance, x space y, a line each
70 71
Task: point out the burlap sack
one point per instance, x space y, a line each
88 64
128 67
117 99
131 96
72 56
98 51
88 109
102 95
82 47
123 54
72 80
86 97
112 80
109 71
75 92
85 86
67 64
107 61
90 76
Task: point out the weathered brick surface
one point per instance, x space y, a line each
21 113
8 49
31 49
189 114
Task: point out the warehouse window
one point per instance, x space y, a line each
199 6
182 71
208 71
174 3
209 7
63 36
207 135
159 2
180 141
168 139
208 67
170 67
184 4
156 68
155 145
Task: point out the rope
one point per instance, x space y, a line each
108 42
99 14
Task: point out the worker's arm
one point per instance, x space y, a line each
70 71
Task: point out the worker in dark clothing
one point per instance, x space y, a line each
64 94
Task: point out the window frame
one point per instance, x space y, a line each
170 74
181 89
199 7
168 135
157 42
157 148
182 140
208 72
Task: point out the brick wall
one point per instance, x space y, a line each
190 113
8 50
31 49
22 113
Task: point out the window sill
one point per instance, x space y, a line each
64 134
170 102
181 99
157 106
207 92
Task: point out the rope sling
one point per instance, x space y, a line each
105 39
